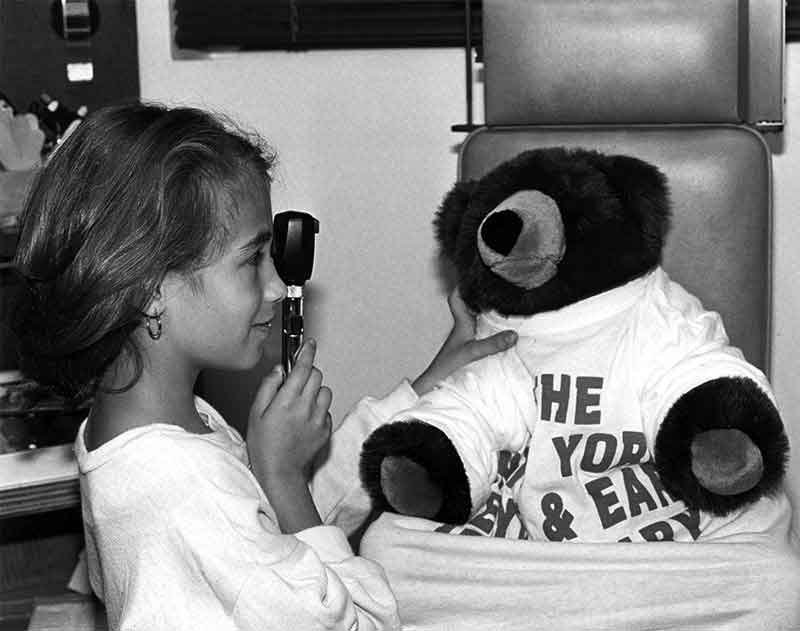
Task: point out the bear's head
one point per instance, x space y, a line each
553 226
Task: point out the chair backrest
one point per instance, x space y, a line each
680 94
634 61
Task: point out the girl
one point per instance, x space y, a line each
145 255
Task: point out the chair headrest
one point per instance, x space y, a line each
628 62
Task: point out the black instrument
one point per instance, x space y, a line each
293 253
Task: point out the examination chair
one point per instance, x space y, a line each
692 87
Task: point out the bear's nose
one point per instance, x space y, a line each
501 230
522 239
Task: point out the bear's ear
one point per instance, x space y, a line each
447 223
642 188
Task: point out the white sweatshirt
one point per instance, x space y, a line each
179 535
586 389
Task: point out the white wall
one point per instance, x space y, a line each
365 145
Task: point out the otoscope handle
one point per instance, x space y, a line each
292 328
293 253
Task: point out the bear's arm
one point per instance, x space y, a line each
722 446
439 458
710 416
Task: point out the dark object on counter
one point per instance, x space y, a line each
56 120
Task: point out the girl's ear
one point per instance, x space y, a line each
156 304
152 314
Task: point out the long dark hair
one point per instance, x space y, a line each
137 191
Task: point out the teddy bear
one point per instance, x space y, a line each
639 420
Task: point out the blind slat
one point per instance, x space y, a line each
268 24
307 24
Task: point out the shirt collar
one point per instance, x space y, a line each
575 316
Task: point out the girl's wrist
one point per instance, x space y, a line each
290 498
285 477
269 475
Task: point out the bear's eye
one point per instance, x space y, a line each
501 230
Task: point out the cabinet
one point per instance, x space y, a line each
40 524
34 58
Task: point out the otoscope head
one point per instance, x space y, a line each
293 246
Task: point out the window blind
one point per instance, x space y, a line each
793 20
208 25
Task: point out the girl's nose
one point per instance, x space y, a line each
275 289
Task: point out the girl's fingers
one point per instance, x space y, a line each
457 305
463 318
323 402
301 370
478 349
321 417
268 389
312 385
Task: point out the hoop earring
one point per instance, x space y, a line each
154 326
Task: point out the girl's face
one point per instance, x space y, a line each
224 320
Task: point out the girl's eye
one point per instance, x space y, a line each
256 258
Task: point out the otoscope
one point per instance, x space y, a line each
293 253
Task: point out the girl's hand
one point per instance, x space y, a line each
289 420
460 347
289 423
